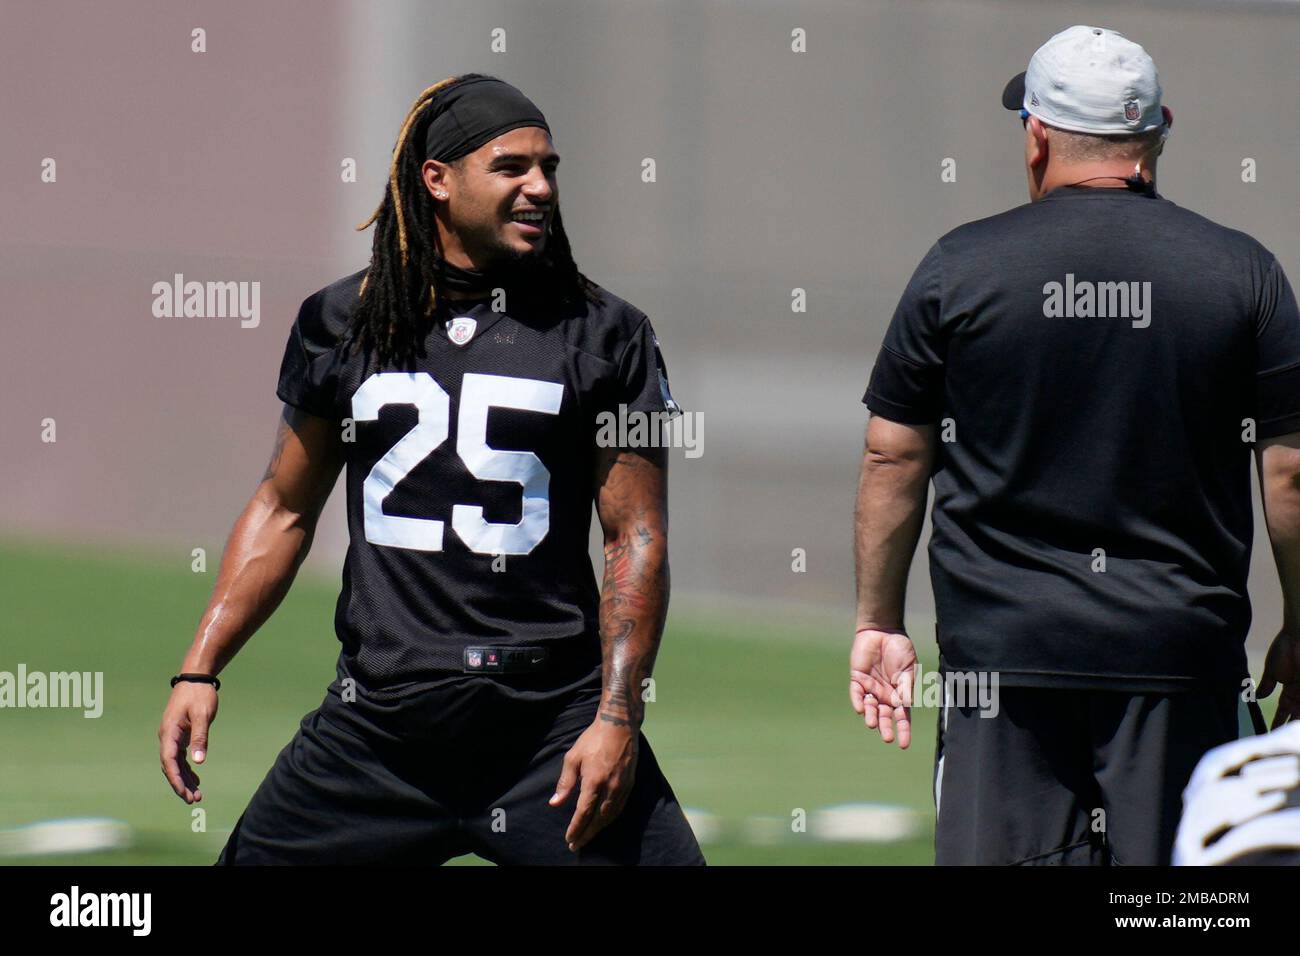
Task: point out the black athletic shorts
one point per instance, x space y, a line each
466 765
1074 777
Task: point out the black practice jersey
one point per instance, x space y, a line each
1099 363
470 477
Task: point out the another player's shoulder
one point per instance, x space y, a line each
605 324
325 315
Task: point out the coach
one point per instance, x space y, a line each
1084 378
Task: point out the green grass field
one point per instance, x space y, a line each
751 722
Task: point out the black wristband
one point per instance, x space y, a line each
197 679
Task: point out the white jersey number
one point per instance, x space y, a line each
478 395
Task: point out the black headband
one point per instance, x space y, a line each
474 111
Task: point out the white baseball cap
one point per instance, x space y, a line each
1089 80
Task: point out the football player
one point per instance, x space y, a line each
489 695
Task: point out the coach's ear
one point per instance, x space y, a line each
1036 145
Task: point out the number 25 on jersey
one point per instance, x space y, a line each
478 394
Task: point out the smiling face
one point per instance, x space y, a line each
497 202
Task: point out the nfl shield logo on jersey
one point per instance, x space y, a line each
474 658
461 330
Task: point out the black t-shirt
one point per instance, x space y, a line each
1091 360
470 479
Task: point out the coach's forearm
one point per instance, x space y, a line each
262 555
1282 516
887 525
1277 462
633 606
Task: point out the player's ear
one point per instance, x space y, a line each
437 178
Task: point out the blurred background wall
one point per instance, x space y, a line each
776 170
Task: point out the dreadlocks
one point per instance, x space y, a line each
400 289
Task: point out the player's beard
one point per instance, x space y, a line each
526 269
511 259
505 261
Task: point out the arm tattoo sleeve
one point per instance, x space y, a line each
632 501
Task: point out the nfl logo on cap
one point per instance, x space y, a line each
461 330
1089 80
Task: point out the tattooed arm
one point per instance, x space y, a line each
632 502
265 548
633 508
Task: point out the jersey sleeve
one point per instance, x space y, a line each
642 383
309 372
1277 357
906 383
